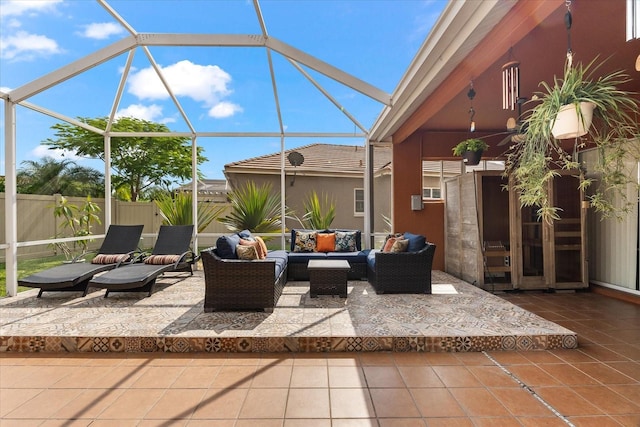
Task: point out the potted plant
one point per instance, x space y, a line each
471 150
533 161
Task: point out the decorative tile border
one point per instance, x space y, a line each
34 344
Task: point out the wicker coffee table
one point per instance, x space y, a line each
328 277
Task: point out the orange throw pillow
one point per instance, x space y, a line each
326 242
389 244
262 247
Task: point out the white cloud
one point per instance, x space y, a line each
13 23
224 109
207 84
21 7
42 151
101 30
26 46
5 89
150 113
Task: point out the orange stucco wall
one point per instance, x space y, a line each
407 180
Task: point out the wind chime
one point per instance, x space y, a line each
510 84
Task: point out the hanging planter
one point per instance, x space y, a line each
573 120
472 158
471 150
533 161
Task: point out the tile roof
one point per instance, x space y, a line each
319 158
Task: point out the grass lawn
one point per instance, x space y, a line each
27 267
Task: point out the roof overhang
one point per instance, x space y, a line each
461 26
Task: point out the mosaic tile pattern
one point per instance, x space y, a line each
457 317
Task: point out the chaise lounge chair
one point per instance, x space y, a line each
171 253
117 247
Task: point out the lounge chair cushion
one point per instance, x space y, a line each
281 258
161 259
353 257
109 258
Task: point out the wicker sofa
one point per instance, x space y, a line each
402 272
298 260
239 284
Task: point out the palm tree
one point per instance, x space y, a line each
51 176
253 208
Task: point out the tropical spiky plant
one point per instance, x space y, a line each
253 208
319 214
178 210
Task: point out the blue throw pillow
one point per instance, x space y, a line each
226 246
245 234
416 241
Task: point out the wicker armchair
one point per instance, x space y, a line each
404 272
234 284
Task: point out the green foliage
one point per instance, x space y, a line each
138 162
615 132
178 210
76 222
50 176
471 144
319 214
154 193
253 208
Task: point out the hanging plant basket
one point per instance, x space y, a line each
472 158
470 150
573 120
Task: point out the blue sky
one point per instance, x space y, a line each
221 89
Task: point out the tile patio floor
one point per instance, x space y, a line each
456 317
596 384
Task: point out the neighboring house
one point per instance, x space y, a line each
209 190
335 170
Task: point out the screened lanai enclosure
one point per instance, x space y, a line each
394 75
138 48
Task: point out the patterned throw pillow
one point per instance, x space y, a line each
161 259
247 252
400 245
326 242
256 244
306 242
346 241
109 258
